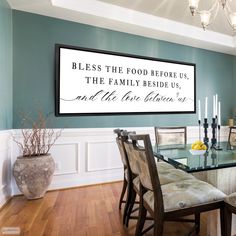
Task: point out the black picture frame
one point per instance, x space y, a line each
85 80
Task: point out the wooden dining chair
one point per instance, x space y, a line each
131 180
232 138
128 178
125 166
171 135
170 201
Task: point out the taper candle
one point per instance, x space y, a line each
206 98
213 115
216 105
219 115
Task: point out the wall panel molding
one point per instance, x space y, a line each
102 155
61 152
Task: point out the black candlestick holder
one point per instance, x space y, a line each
199 129
205 139
218 133
214 127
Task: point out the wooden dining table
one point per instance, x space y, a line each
216 166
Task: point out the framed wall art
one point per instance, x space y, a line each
97 82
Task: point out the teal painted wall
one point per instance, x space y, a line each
34 40
5 66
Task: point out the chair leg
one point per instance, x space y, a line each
141 220
197 222
158 226
226 221
128 200
130 206
158 230
123 192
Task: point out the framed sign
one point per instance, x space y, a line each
95 82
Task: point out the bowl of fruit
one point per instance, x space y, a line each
198 148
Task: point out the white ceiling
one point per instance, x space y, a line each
168 20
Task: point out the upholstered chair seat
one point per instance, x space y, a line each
231 199
163 166
173 175
167 175
185 194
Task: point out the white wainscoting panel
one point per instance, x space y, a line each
5 166
66 158
103 156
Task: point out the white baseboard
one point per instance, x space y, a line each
5 194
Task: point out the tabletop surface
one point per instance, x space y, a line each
180 157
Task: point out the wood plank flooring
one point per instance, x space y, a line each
83 211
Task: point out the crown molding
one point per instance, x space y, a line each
106 15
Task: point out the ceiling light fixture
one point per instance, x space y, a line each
208 16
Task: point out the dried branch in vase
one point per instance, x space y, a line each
39 139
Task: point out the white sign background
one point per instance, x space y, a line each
99 82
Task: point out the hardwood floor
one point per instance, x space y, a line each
83 211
